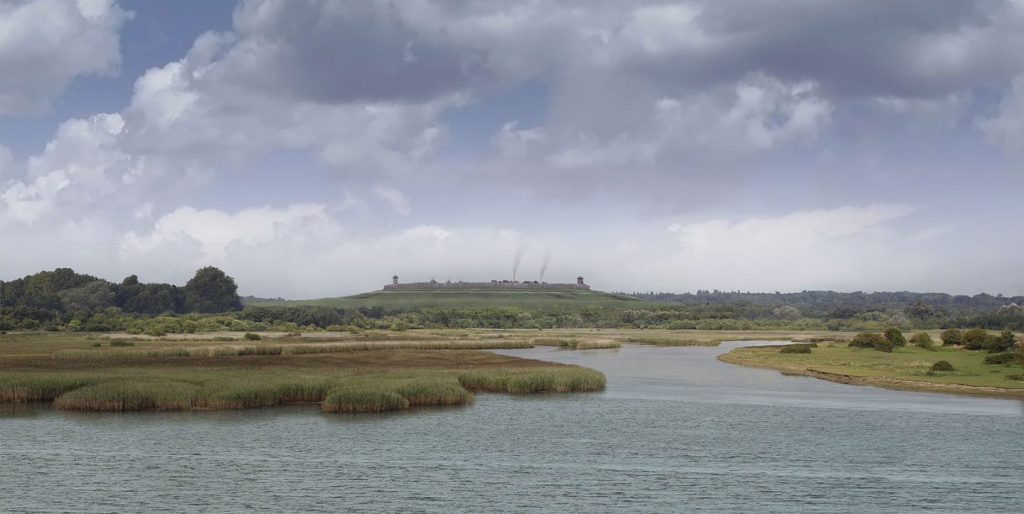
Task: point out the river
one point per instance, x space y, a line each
676 430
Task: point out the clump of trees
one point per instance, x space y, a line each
64 299
871 340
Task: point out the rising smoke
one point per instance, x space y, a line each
515 261
544 266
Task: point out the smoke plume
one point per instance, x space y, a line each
515 261
544 266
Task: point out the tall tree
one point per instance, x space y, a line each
211 290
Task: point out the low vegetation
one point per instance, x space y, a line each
946 369
346 376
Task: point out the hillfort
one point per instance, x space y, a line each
494 284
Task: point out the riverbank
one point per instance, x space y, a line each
906 368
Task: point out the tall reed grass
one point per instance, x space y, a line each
563 379
292 349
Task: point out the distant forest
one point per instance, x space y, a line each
64 300
833 305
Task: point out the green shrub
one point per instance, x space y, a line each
252 337
871 340
796 348
1004 342
118 342
951 337
1004 358
923 340
975 339
895 337
942 366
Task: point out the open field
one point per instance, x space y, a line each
470 298
905 368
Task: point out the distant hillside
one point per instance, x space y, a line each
465 298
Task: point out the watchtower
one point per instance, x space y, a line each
579 281
394 280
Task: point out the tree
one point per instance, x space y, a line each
895 337
951 337
211 290
92 297
871 340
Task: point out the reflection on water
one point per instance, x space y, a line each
675 431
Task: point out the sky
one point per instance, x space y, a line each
316 148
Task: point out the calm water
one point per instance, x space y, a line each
675 431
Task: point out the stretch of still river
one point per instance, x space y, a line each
676 430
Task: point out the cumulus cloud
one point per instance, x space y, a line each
215 231
647 106
45 44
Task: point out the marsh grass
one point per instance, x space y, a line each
668 341
291 349
22 387
130 395
574 344
565 379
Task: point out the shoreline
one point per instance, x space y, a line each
897 384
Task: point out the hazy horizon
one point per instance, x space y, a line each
314 149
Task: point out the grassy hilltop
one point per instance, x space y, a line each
413 299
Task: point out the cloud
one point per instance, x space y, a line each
45 44
1006 129
395 198
215 231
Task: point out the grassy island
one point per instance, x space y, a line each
906 368
89 373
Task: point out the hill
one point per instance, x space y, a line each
415 299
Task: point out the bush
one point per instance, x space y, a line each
975 339
249 336
942 366
796 348
923 340
871 340
951 337
118 342
1004 342
1004 358
895 337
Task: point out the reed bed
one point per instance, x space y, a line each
132 390
597 345
574 344
375 396
667 341
130 395
22 387
564 379
291 349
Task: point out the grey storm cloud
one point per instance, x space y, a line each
339 52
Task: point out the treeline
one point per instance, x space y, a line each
65 300
832 304
848 310
56 298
